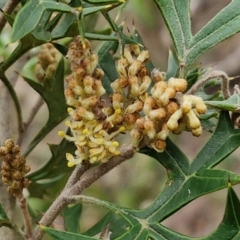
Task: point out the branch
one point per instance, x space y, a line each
26 215
8 8
76 174
127 152
62 200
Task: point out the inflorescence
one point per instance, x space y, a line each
146 105
13 168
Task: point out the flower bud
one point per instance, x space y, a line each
157 76
186 105
193 122
137 106
119 84
159 145
199 104
166 96
157 114
172 123
179 84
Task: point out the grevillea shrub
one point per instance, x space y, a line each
115 103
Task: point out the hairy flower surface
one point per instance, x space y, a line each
93 129
143 103
13 168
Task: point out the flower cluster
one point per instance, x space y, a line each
145 104
152 107
47 62
92 125
13 168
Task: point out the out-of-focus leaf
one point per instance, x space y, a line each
222 26
71 216
230 104
57 164
4 221
34 11
52 91
107 63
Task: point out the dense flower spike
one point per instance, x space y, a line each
148 106
13 168
93 128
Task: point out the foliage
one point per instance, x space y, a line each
57 22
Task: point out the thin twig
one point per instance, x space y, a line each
215 74
8 8
127 152
26 215
62 201
76 174
31 116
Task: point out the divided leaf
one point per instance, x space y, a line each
52 91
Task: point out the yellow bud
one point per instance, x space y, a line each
121 129
61 134
115 143
118 111
70 164
68 123
93 160
69 157
157 76
85 132
70 110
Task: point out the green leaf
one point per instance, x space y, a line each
71 216
223 142
61 235
4 221
61 29
230 104
34 11
172 66
101 225
104 1
229 228
107 63
56 164
177 17
52 91
224 25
